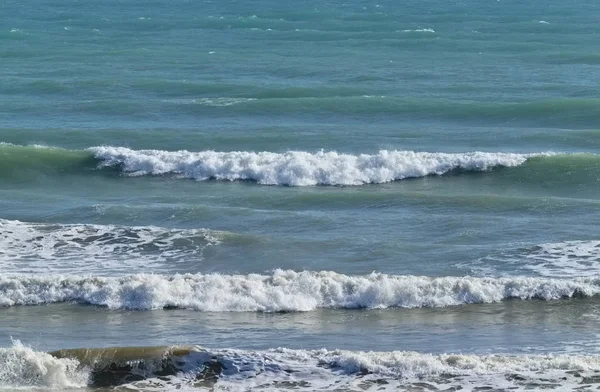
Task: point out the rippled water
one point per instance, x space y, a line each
310 195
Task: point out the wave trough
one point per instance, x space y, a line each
283 290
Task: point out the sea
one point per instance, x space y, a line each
278 195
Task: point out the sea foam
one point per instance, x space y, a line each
70 248
298 168
401 370
21 366
283 290
550 260
428 30
297 369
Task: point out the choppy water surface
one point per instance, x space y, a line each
280 195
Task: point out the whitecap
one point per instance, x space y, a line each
23 367
299 168
214 102
428 30
282 290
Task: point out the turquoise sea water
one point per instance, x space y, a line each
269 180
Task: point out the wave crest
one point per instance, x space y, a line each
298 168
21 366
283 290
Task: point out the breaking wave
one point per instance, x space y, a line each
21 366
283 291
183 367
298 168
292 168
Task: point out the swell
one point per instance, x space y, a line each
567 111
176 367
175 89
571 113
20 162
283 291
293 168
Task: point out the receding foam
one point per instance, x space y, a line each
23 367
57 248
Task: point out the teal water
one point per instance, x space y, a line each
434 164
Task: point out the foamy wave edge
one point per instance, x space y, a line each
60 248
283 291
299 168
284 368
21 366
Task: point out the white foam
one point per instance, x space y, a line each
23 367
283 290
285 369
570 258
559 259
214 102
35 247
411 365
418 31
298 168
